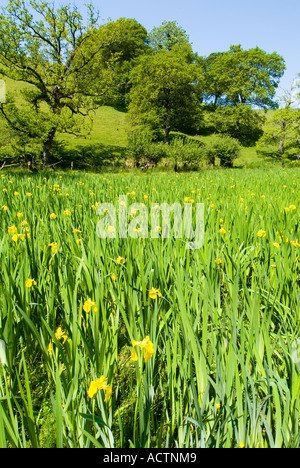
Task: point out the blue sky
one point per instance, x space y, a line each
214 25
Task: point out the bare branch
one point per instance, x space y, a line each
4 165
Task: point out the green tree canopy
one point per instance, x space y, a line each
163 94
239 76
130 40
281 136
240 122
167 36
170 36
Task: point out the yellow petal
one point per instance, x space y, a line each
101 382
134 356
93 389
107 392
149 352
87 307
149 349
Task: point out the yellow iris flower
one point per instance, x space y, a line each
120 260
29 283
153 293
262 233
61 336
147 345
88 305
54 246
12 229
99 384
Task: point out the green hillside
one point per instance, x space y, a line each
107 141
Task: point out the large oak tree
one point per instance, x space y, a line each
61 59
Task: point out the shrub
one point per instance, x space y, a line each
138 145
223 147
240 122
143 150
186 153
157 151
183 152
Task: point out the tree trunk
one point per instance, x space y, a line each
167 133
282 139
281 145
212 161
47 147
167 125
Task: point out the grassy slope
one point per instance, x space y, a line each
108 137
109 129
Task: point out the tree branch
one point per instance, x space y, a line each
13 126
4 165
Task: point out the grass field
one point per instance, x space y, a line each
221 365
